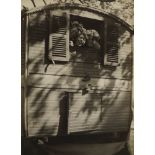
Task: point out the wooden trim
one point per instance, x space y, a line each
86 138
75 90
67 36
131 126
105 42
26 78
132 85
81 7
67 82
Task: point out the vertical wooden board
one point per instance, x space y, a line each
23 26
105 112
43 111
22 111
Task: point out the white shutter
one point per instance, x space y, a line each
59 36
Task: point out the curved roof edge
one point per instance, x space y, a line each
82 7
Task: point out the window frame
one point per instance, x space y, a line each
103 57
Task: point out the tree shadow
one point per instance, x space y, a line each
64 112
38 101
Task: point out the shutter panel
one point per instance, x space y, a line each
37 37
112 45
59 36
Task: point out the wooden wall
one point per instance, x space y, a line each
110 88
99 112
43 111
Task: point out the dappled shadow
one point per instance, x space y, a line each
71 77
127 68
64 112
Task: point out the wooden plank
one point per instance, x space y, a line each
22 111
23 26
43 111
41 93
36 49
103 130
98 112
80 69
35 54
77 82
26 76
37 43
72 68
86 14
124 51
22 80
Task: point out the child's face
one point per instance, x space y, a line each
81 40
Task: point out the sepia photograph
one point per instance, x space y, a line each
77 77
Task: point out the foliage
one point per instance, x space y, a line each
124 9
121 8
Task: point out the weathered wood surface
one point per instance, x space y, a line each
68 82
99 112
49 82
22 112
81 69
123 71
86 14
43 111
23 26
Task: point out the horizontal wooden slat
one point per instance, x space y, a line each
72 82
89 112
89 125
81 69
111 110
103 130
43 131
43 111
40 93
41 45
45 119
37 44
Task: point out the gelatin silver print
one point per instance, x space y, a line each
77 77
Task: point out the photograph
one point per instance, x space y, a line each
77 78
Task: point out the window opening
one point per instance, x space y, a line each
86 39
